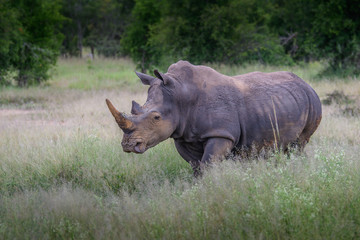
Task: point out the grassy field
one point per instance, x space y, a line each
63 174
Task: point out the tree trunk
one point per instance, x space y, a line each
143 69
80 38
21 79
92 52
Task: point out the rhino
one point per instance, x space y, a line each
210 115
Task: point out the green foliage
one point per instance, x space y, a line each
108 25
292 21
157 33
326 30
337 31
10 32
76 13
30 39
218 31
239 31
136 41
98 24
198 31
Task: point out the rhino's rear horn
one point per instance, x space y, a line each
136 108
123 122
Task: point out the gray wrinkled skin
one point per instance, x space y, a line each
209 114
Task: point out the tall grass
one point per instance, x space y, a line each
63 174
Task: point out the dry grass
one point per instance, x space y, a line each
63 174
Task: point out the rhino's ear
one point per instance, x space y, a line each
161 76
146 79
136 108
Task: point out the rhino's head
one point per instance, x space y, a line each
152 123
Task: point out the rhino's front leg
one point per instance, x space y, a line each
191 154
215 148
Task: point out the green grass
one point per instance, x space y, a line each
63 174
93 75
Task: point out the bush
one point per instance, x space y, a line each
30 39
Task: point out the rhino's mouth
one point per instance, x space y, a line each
139 146
134 145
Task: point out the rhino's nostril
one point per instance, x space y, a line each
139 147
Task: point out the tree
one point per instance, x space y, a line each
78 15
226 31
97 24
136 40
336 33
107 26
325 29
31 45
10 32
238 31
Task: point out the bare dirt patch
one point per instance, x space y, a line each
14 112
10 118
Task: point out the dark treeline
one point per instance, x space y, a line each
33 33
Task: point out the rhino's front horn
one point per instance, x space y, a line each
121 120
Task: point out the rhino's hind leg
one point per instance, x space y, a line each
295 147
308 131
299 144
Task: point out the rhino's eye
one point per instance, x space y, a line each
157 117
